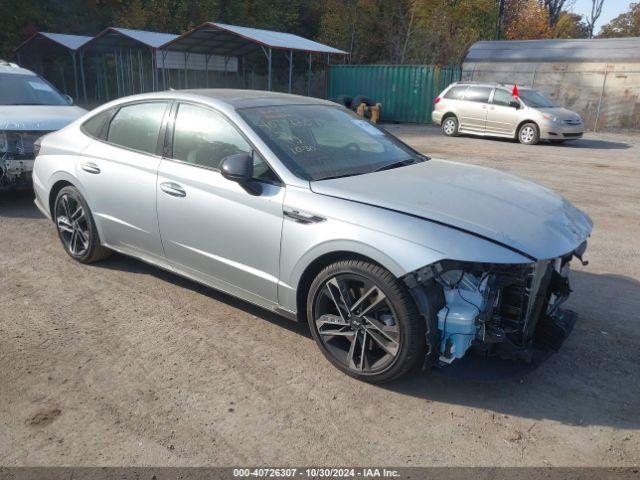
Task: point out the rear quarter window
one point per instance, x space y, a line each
96 126
456 93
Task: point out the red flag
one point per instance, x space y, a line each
515 91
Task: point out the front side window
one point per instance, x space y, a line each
535 99
317 142
478 94
137 126
502 97
19 89
204 137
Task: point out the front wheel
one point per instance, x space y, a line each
76 228
529 134
364 321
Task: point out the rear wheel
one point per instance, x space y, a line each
76 228
529 134
450 126
364 321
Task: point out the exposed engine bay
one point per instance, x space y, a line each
17 156
500 310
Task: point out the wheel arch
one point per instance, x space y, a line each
449 114
521 124
53 193
314 267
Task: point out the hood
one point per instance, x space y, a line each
514 212
38 117
561 112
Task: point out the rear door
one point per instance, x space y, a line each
118 171
502 117
473 110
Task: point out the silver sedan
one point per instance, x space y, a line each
303 208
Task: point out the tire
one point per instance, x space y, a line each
365 305
450 126
529 134
344 100
77 231
355 103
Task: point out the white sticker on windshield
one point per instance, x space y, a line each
41 86
367 127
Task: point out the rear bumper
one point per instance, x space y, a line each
436 117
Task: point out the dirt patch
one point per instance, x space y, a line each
43 418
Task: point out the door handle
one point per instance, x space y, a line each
90 167
173 189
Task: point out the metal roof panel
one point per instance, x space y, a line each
267 38
557 50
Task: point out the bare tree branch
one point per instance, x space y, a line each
596 11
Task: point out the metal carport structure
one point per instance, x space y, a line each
212 38
45 44
126 47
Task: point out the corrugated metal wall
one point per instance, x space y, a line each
406 92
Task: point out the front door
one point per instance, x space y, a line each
502 116
211 228
473 109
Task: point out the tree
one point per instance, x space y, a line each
596 11
526 20
554 9
624 25
570 25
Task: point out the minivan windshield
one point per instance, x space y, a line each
20 89
318 142
535 99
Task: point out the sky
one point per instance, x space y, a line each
610 10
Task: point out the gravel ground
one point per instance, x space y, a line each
120 363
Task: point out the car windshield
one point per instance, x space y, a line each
318 142
19 89
535 99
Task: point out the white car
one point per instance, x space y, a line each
30 107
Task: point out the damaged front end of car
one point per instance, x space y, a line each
504 310
18 150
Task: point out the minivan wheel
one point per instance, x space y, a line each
529 134
76 228
364 321
450 127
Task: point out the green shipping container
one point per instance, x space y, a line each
406 92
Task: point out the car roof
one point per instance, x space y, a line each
7 67
238 98
227 98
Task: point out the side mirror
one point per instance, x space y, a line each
239 168
515 104
69 99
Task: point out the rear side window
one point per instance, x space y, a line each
456 93
137 126
478 94
97 125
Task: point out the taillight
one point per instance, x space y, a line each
436 101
